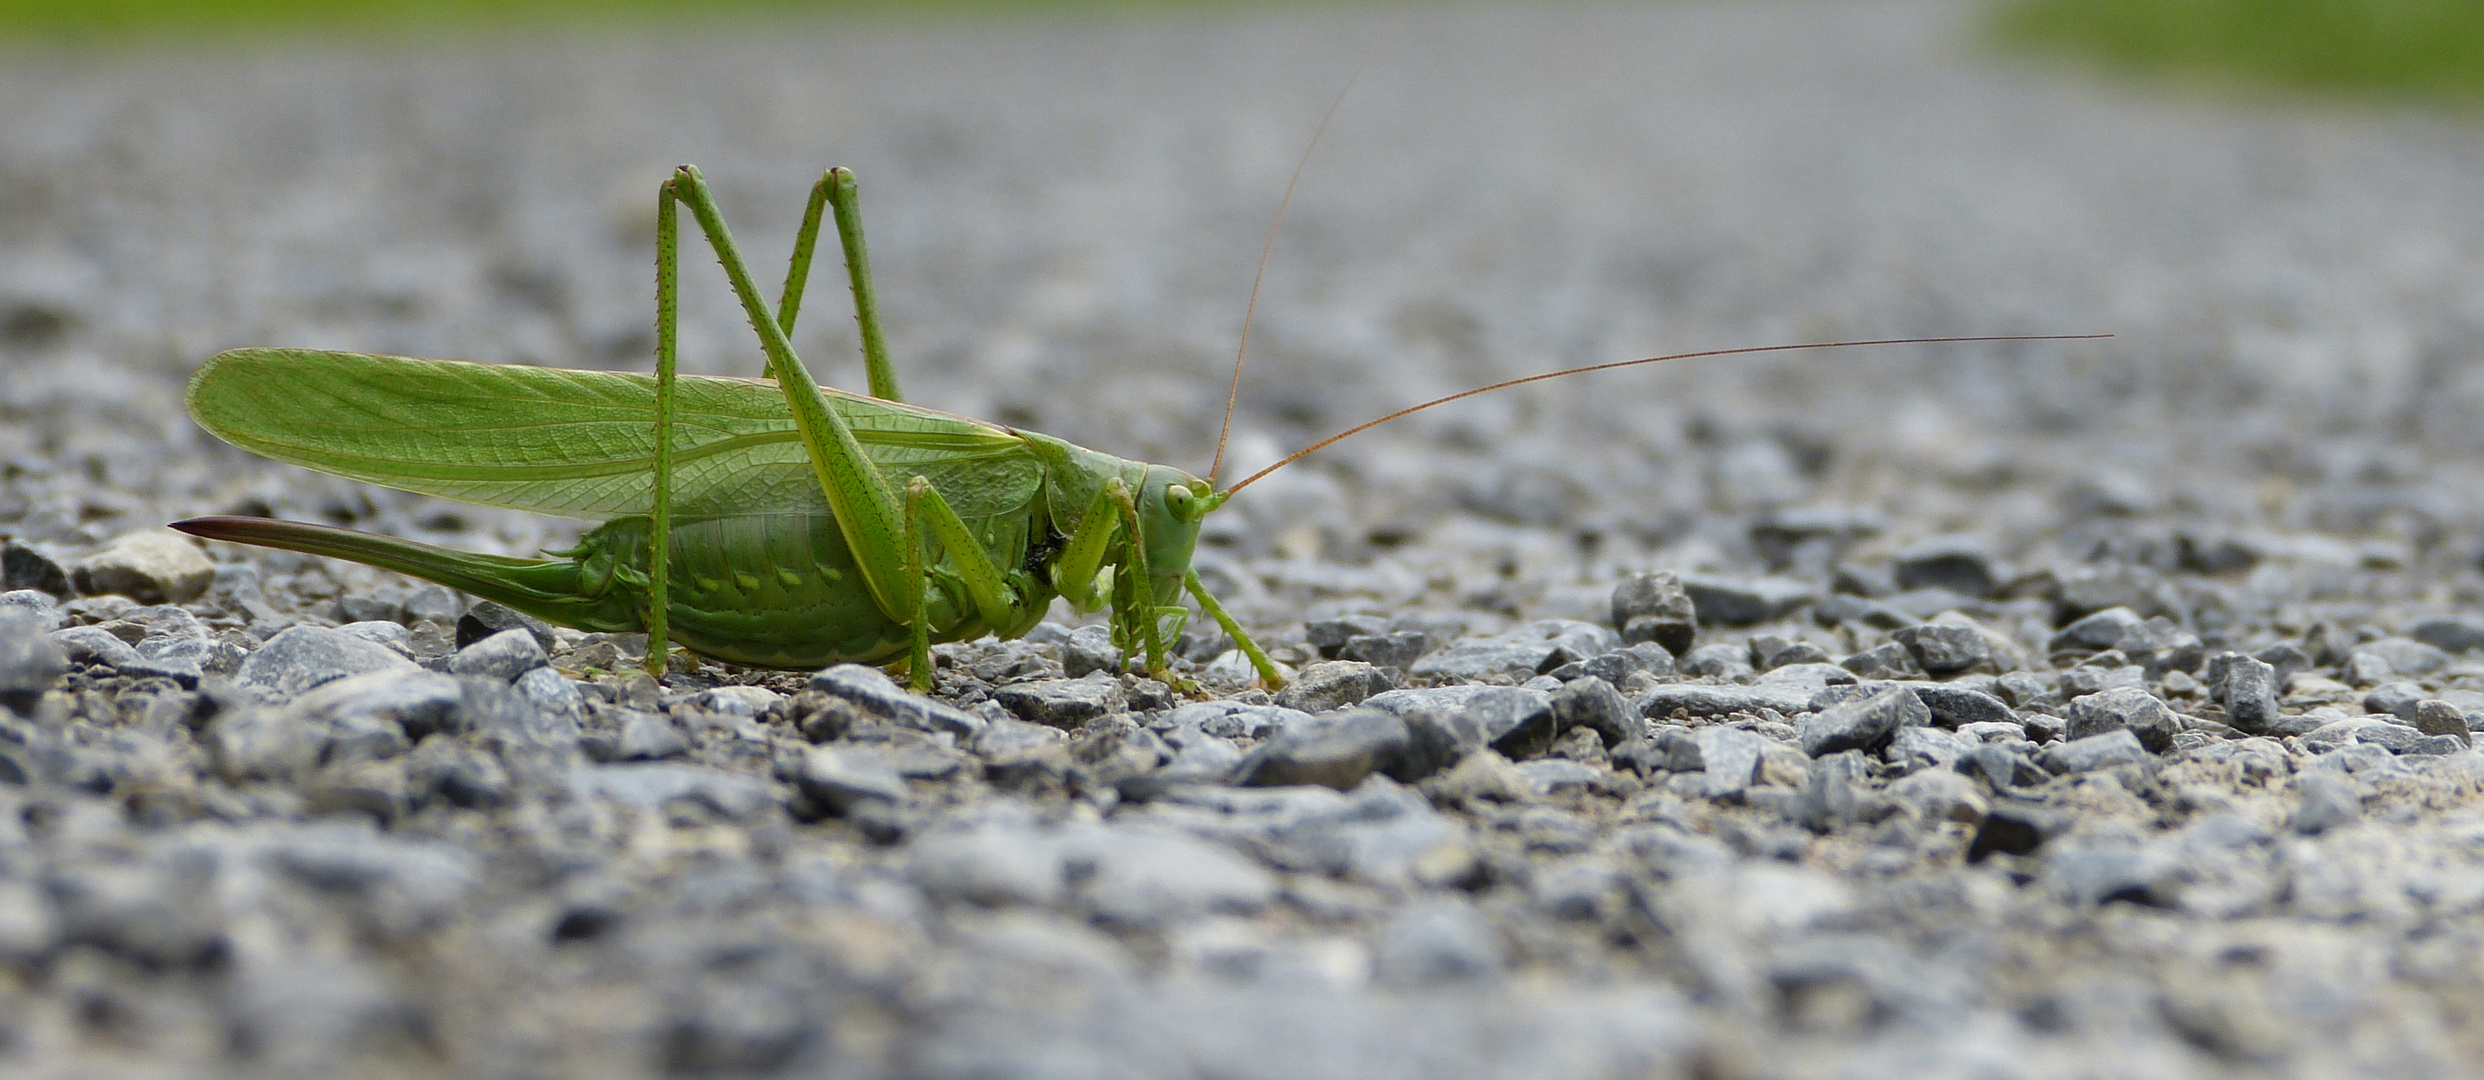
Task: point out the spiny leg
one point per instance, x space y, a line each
660 516
928 515
798 268
836 189
1082 558
918 647
1207 603
867 511
1137 608
842 196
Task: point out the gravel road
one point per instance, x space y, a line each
2039 710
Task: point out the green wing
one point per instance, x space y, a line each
581 443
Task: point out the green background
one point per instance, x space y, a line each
2423 50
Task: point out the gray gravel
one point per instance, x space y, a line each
2012 711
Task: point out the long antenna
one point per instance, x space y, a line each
1233 393
1464 394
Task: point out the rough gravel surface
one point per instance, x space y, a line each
1998 711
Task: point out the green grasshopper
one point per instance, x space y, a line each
770 523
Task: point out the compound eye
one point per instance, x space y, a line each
1178 499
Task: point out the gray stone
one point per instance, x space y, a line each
1332 684
2436 717
499 717
2405 656
2091 877
841 778
648 737
1330 635
2449 633
1430 943
1939 794
1955 706
304 657
657 786
1887 660
1592 703
2118 746
150 914
1962 564
1335 751
95 645
262 744
486 618
1089 649
403 885
503 656
1501 712
1397 650
1721 660
1547 776
2249 690
1008 736
1728 602
1519 654
1140 876
2000 766
1768 651
24 567
2396 738
2159 645
1830 798
451 770
874 693
1860 725
1729 758
1914 749
1940 648
2397 699
187 659
1434 698
2083 680
2009 829
2324 801
1652 607
2433 745
2287 657
2141 713
1662 702
993 864
552 693
1203 759
2096 632
1837 608
32 604
1063 703
1436 741
31 662
417 702
1231 719
1616 665
28 929
151 566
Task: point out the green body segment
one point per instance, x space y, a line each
764 521
767 590
759 572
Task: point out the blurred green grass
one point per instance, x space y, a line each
2431 50
104 22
